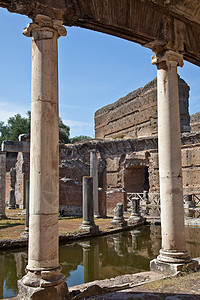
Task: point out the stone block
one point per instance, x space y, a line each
112 179
15 146
112 164
171 268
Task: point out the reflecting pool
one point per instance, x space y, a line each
98 258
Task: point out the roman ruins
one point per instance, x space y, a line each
171 29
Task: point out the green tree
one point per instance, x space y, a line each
80 138
18 125
63 132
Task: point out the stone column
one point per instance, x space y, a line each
94 175
43 270
173 252
12 200
124 197
88 216
135 211
2 184
26 231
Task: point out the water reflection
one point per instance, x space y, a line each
99 258
12 266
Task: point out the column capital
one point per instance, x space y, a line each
46 26
168 57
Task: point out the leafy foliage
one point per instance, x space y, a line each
63 132
18 125
80 138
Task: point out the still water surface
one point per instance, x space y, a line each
98 258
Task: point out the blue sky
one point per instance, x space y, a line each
95 69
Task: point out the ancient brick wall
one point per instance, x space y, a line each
127 163
135 115
191 163
195 122
70 197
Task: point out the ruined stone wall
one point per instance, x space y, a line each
22 168
114 158
127 163
190 150
191 163
135 115
72 168
195 122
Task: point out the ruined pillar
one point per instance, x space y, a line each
173 254
44 279
26 230
94 175
12 200
135 211
88 215
2 184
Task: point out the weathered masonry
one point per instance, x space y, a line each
122 164
135 115
171 29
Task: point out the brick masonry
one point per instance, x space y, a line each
135 115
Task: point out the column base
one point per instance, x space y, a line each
25 233
135 219
120 222
58 292
174 256
172 268
38 285
89 228
11 207
97 216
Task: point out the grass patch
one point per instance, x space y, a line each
8 224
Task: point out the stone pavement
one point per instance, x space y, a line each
145 285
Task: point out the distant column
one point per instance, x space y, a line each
26 231
173 250
12 200
44 279
88 215
94 175
2 183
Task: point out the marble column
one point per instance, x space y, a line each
173 252
44 276
94 175
2 184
